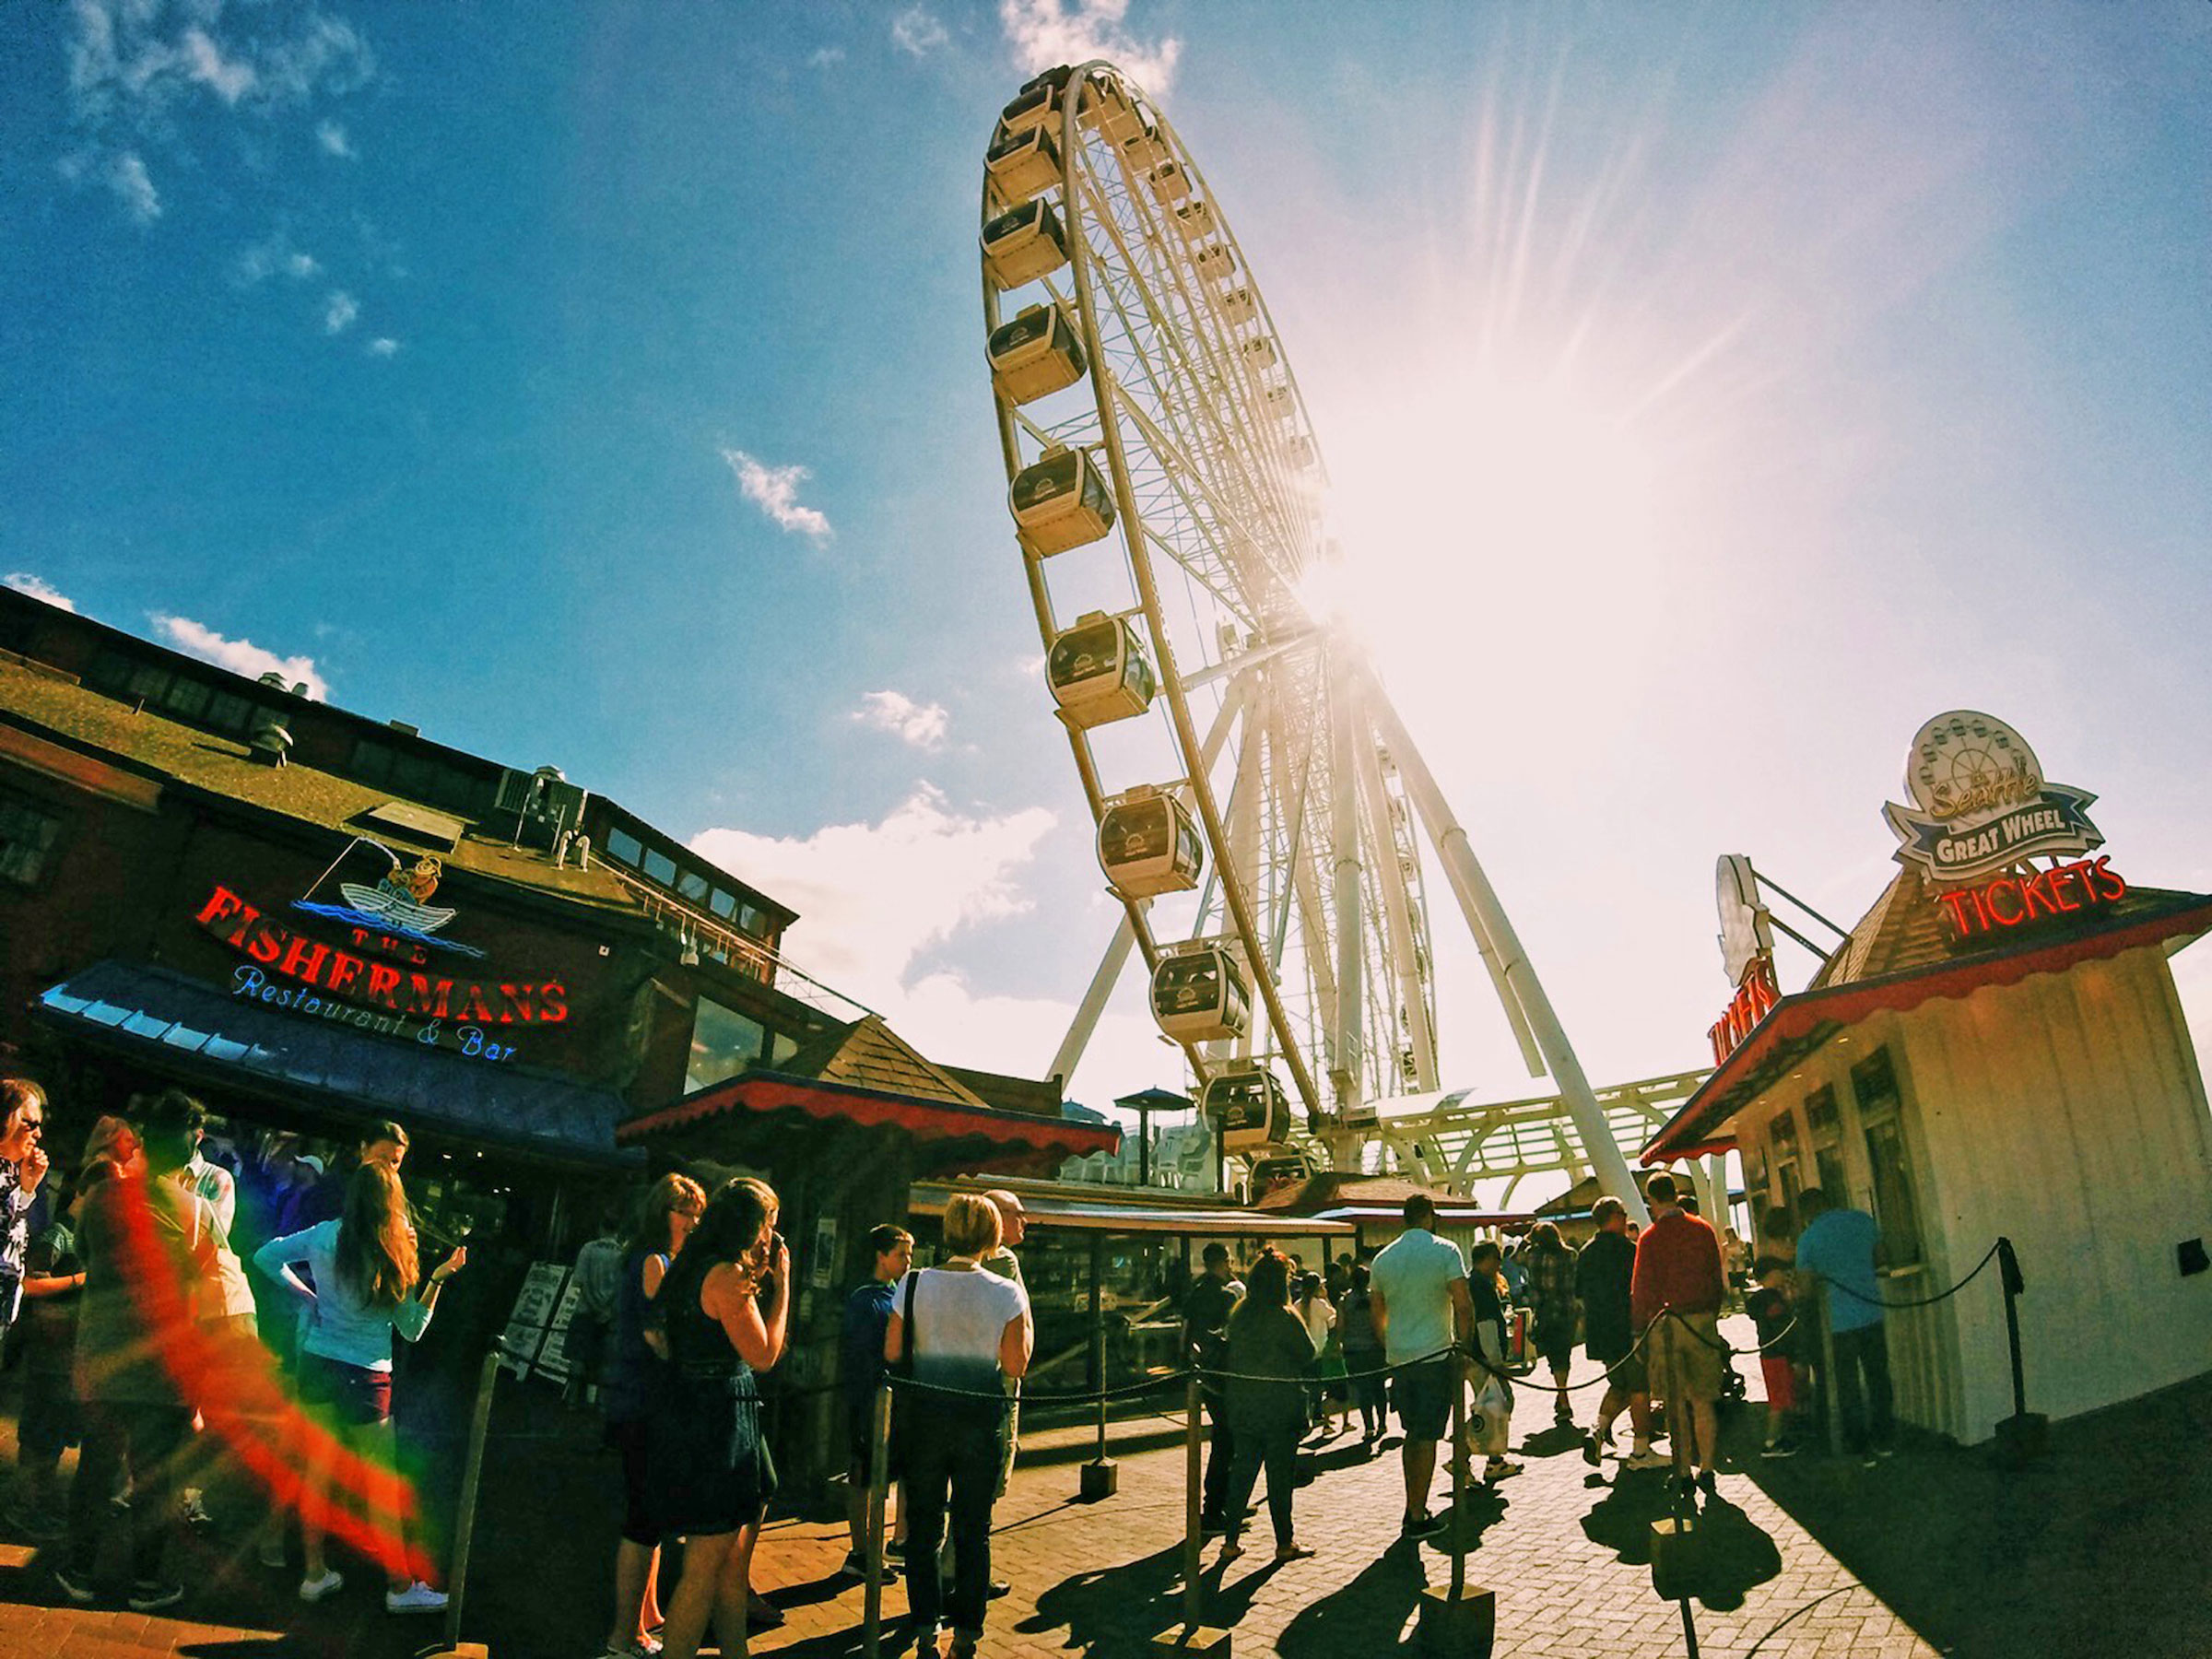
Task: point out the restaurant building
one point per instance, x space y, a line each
1995 1049
314 920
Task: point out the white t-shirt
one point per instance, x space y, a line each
958 1318
1414 1276
1320 1315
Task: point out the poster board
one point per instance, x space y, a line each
534 1305
553 1356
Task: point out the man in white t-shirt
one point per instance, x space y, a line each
1417 1293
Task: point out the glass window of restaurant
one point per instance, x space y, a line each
1781 1153
1881 1117
1824 1125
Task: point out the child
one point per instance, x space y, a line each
1770 1307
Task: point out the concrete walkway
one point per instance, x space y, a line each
2102 1550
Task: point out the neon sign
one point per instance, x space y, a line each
1754 998
2013 901
402 992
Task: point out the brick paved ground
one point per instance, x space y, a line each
2102 1550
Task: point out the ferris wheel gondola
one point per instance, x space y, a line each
1166 487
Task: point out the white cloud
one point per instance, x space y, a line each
827 57
275 254
339 311
38 587
133 64
915 31
134 187
922 725
384 346
333 138
775 490
240 656
1045 32
873 896
229 79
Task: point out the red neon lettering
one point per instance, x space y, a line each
2002 885
384 985
2037 890
428 997
303 960
2115 890
552 1003
472 1006
221 906
1955 902
344 969
517 1003
2058 888
264 939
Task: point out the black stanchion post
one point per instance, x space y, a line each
1461 1620
1192 1638
880 1480
465 1523
2025 1434
1100 1478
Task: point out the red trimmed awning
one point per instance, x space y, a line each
1797 1025
939 1123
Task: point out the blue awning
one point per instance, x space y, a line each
199 1032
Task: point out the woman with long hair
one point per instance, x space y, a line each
631 1389
1270 1352
966 1330
22 1166
721 1309
367 1275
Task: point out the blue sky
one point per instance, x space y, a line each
1711 395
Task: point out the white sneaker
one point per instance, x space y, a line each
317 1589
418 1598
1643 1457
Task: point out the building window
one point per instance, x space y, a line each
227 711
723 1043
623 847
187 700
692 886
1782 1150
27 840
724 903
1896 1209
371 763
660 868
1825 1123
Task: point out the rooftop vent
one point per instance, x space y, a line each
270 740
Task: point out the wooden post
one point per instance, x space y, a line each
1829 1396
1193 1640
879 1478
1461 1622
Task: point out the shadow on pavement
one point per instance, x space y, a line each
1114 1609
1366 1615
1732 1554
2103 1546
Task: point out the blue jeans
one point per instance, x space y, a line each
951 1469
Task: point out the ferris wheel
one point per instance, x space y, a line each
1255 795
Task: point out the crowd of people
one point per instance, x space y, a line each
149 1344
146 1342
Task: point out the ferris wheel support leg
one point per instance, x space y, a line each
1094 1003
1412 997
1493 929
1346 1062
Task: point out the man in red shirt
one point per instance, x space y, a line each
1678 1270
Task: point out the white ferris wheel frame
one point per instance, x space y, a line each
1206 476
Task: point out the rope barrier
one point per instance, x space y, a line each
1915 1301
